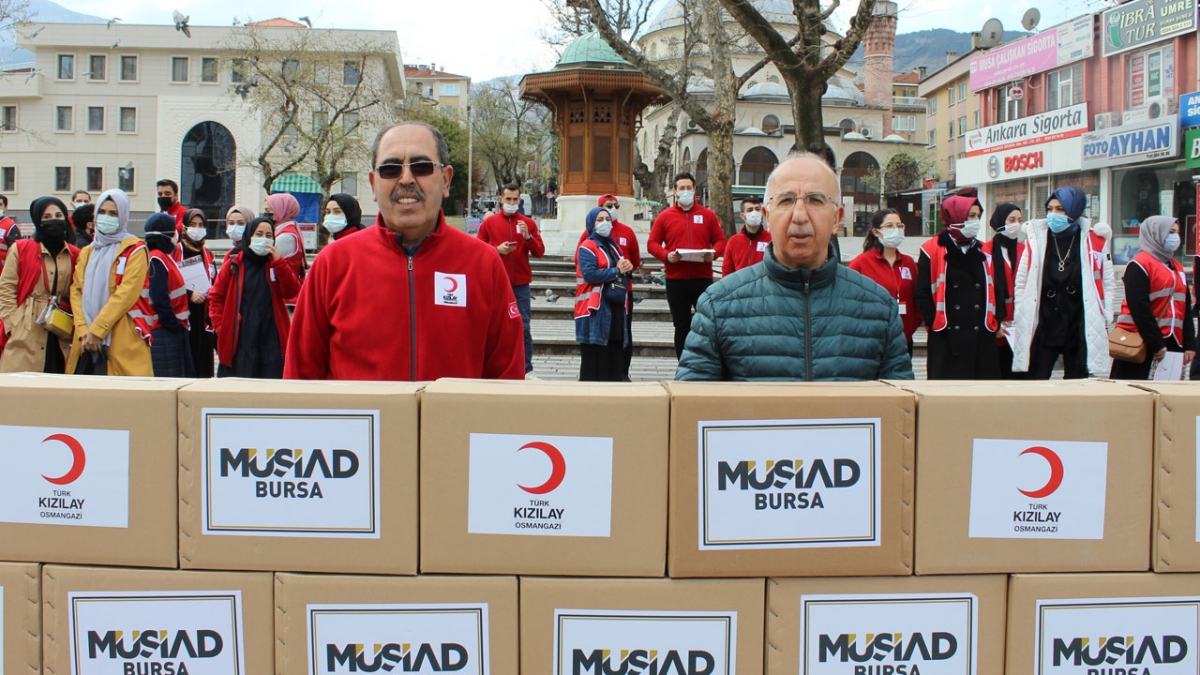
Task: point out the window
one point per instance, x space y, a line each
322 73
129 71
320 120
1064 87
290 67
62 179
962 125
932 105
208 69
933 137
125 179
64 118
1007 107
66 67
976 119
97 67
350 183
950 94
962 91
95 179
350 123
952 164
8 179
179 69
95 118
770 123
351 72
8 118
449 89
951 129
237 69
129 120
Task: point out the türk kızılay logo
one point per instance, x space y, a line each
1117 636
284 472
889 634
57 476
1038 489
789 483
404 638
540 485
159 633
608 642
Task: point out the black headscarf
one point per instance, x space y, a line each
1001 214
53 234
350 207
251 227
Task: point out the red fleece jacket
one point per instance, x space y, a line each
742 250
696 228
225 302
499 228
367 311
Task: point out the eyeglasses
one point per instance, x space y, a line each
891 226
813 201
418 169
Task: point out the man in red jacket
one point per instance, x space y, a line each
686 226
747 247
411 298
516 238
168 202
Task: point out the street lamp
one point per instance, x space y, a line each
470 159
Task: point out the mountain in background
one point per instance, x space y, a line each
40 10
928 48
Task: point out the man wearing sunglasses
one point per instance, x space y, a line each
411 298
515 237
799 315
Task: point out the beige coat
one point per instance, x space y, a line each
128 353
27 341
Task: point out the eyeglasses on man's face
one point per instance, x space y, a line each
813 201
420 169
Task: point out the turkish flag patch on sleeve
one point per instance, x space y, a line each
513 312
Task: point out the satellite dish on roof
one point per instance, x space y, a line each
1031 19
992 33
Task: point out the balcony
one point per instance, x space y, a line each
908 102
15 84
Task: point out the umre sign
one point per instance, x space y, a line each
1144 22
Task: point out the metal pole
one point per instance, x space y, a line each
470 159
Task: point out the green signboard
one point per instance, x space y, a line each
1144 22
1191 148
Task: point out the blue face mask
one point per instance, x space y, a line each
1057 222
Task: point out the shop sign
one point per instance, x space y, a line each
1040 128
1189 110
1058 46
1191 148
1145 22
1140 142
1036 160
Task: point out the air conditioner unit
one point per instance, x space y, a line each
1135 116
1107 120
865 131
1160 106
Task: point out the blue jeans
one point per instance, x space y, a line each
523 299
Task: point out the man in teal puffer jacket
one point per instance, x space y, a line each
797 315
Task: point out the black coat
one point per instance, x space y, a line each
965 349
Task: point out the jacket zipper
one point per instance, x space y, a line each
807 336
412 320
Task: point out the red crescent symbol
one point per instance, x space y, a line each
557 472
453 284
79 459
1056 473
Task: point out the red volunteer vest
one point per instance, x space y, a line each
1099 247
1168 296
6 224
299 259
145 319
588 296
937 272
175 285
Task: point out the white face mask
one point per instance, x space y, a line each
106 224
510 209
235 232
892 238
334 223
603 228
1012 229
753 219
197 233
1 213
685 198
259 245
77 204
612 210
1172 242
970 229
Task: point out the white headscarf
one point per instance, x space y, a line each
104 251
1153 236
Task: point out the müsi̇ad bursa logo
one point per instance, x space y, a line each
302 473
889 634
614 642
156 633
789 483
1117 636
402 638
60 476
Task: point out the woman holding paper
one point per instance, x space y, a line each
1158 304
246 306
199 270
601 302
170 350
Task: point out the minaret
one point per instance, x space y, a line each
879 44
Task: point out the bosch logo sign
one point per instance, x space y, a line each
993 167
1024 162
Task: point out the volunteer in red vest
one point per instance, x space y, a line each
169 351
747 246
956 294
410 298
113 320
9 232
688 226
626 240
516 238
247 306
38 272
1005 252
1059 310
343 216
193 251
282 208
882 262
168 202
601 302
1158 302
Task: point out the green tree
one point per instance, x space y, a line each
455 132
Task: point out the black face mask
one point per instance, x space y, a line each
165 203
270 217
53 230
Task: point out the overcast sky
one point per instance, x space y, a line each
488 38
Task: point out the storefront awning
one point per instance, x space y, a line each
748 190
294 182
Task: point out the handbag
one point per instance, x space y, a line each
1126 345
615 294
93 363
57 321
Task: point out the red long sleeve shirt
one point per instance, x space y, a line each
368 311
743 250
499 228
696 228
898 280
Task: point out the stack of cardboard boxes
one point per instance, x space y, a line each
244 527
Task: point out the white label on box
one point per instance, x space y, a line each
769 484
398 638
116 633
931 634
1138 636
601 642
540 485
57 476
1038 489
299 473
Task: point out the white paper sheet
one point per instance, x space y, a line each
1170 367
694 254
195 275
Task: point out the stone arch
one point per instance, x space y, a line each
208 170
770 123
757 164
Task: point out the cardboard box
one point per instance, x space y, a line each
1175 546
540 478
298 476
950 625
105 620
1103 624
20 619
790 480
1033 477
89 470
466 625
666 626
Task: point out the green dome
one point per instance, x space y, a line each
590 48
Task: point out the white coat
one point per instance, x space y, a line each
1097 313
